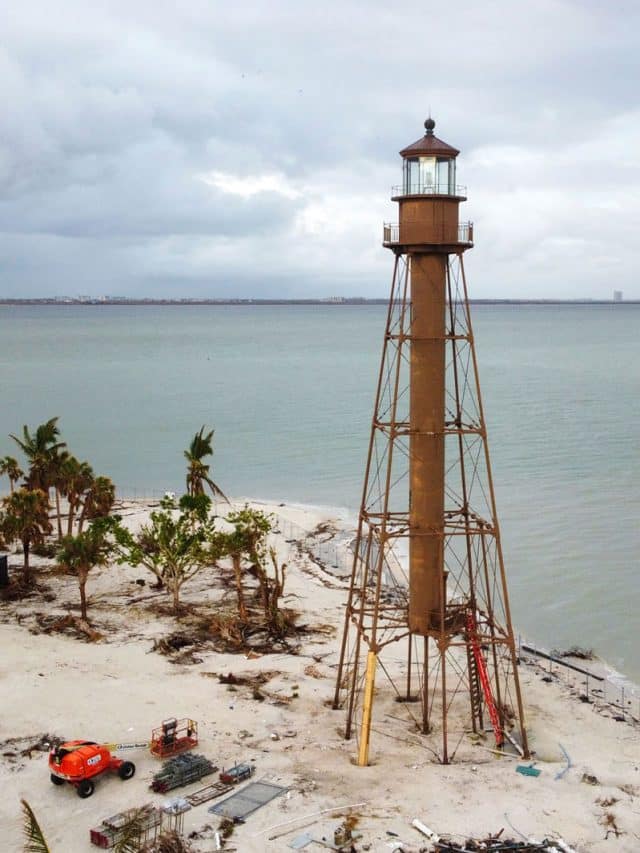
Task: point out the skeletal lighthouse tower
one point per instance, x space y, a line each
428 598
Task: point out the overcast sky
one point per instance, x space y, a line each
247 149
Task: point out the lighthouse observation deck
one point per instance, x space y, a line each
392 237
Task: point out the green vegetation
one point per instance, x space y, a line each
25 516
173 547
181 539
9 467
197 472
34 840
77 555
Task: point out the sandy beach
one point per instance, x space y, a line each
119 688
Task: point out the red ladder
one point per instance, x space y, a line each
484 679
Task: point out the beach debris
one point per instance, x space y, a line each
343 834
312 817
176 805
225 830
182 770
15 750
248 800
143 829
247 679
61 624
608 820
424 829
301 841
209 792
561 773
527 770
606 802
237 773
590 779
577 652
180 646
497 843
137 824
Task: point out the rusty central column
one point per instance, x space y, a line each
427 442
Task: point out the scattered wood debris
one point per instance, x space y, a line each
250 679
15 750
65 624
495 843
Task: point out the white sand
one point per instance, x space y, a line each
119 690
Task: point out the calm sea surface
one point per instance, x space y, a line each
289 390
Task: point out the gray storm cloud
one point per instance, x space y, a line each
248 151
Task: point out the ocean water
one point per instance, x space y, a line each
289 390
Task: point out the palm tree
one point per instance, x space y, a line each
79 554
197 471
25 516
246 540
34 840
76 478
56 479
10 467
39 449
98 500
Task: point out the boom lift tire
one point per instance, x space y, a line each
126 770
85 788
56 780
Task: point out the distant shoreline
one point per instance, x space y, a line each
329 302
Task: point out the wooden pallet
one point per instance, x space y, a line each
210 792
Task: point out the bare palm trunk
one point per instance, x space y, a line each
26 572
58 514
70 519
237 570
82 582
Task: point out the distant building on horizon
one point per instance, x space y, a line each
617 296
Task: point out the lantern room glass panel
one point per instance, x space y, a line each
429 175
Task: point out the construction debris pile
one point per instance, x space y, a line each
495 844
139 824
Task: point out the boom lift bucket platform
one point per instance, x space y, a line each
173 737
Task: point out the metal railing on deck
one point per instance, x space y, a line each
428 189
391 233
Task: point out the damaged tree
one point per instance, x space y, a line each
25 516
175 545
246 545
77 555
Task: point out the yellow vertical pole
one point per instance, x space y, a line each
365 729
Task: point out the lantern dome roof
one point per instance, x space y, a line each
429 145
